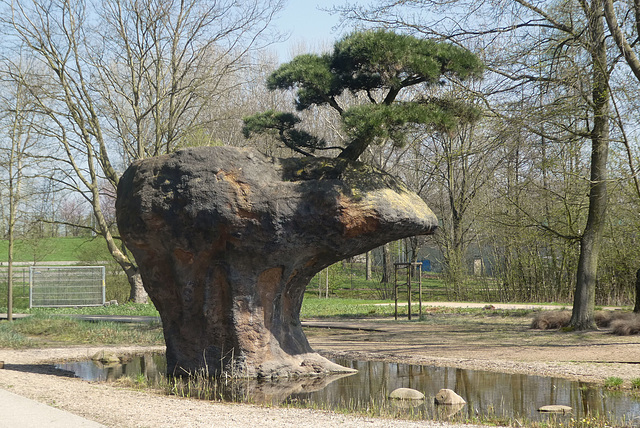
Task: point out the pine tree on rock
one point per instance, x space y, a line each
395 73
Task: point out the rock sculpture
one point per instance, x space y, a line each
227 240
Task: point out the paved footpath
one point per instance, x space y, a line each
20 412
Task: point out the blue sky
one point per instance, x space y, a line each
306 24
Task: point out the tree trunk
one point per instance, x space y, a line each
636 308
353 151
12 222
138 294
368 266
582 317
454 253
386 264
10 276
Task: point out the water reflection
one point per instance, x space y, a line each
151 366
486 393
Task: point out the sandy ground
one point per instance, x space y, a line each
486 342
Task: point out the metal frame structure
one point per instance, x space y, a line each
417 266
66 297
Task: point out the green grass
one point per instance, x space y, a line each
10 338
56 249
45 330
131 309
313 307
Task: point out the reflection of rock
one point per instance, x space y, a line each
255 391
406 404
555 408
448 396
447 410
228 239
275 392
106 357
406 394
448 403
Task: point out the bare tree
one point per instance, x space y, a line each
129 78
21 138
523 40
459 165
624 25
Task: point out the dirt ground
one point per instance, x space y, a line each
486 342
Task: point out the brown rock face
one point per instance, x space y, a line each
227 240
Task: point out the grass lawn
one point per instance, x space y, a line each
42 330
56 249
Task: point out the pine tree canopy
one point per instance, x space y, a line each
394 73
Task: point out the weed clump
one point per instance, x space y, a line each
551 320
606 319
626 326
621 323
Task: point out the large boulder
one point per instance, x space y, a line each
406 394
448 397
555 408
227 239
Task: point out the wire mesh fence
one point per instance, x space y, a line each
59 286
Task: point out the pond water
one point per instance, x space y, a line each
486 393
